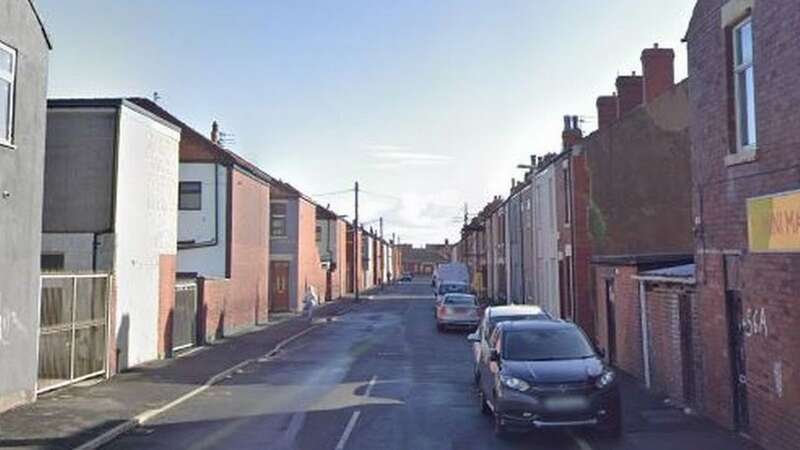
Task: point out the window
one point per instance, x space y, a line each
319 233
189 195
277 223
52 262
8 63
744 86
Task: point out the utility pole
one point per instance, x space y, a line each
356 252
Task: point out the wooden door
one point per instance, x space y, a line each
279 286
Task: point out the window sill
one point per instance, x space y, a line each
7 146
741 157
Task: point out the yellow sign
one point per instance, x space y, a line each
773 223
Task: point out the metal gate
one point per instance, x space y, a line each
184 318
73 331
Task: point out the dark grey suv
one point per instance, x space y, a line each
545 373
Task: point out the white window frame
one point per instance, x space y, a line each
739 68
11 79
282 217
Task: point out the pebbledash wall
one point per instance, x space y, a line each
21 169
767 283
100 154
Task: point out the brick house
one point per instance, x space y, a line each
223 206
331 243
744 80
24 52
295 259
638 213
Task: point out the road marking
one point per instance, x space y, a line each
348 429
351 424
582 443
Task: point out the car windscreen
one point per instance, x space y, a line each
546 344
495 320
459 300
452 288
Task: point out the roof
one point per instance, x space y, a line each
114 103
41 25
514 310
422 255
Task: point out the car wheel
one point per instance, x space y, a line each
484 406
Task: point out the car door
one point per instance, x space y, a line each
487 372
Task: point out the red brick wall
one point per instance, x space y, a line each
628 356
767 282
309 265
212 295
249 258
166 302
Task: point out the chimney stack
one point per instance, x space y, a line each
572 134
215 132
658 70
606 110
630 92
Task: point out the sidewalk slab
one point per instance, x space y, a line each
70 417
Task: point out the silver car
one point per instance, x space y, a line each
457 310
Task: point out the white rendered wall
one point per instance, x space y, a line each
202 226
546 242
146 227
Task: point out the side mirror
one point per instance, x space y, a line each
474 337
494 356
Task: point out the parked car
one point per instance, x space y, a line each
494 315
458 310
406 277
546 373
449 288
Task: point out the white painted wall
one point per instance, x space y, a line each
146 224
546 242
207 226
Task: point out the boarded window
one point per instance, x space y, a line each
190 195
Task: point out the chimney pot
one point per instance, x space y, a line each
215 132
566 123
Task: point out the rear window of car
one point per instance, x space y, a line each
460 300
452 288
494 321
546 344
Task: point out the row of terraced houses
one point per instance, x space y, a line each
128 236
671 233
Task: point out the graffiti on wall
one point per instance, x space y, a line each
754 322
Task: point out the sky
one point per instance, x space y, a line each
428 104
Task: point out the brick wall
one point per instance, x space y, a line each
628 338
247 303
212 296
767 283
309 266
166 302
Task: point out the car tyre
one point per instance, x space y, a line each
613 429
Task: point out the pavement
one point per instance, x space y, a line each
378 376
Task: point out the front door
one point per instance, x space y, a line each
279 286
741 419
611 322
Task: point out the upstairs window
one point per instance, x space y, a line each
277 222
190 195
8 69
744 85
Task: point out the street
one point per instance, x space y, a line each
380 377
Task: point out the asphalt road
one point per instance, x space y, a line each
378 377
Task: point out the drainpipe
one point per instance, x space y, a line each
645 334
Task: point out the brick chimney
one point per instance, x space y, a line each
630 92
215 132
658 70
572 134
606 110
